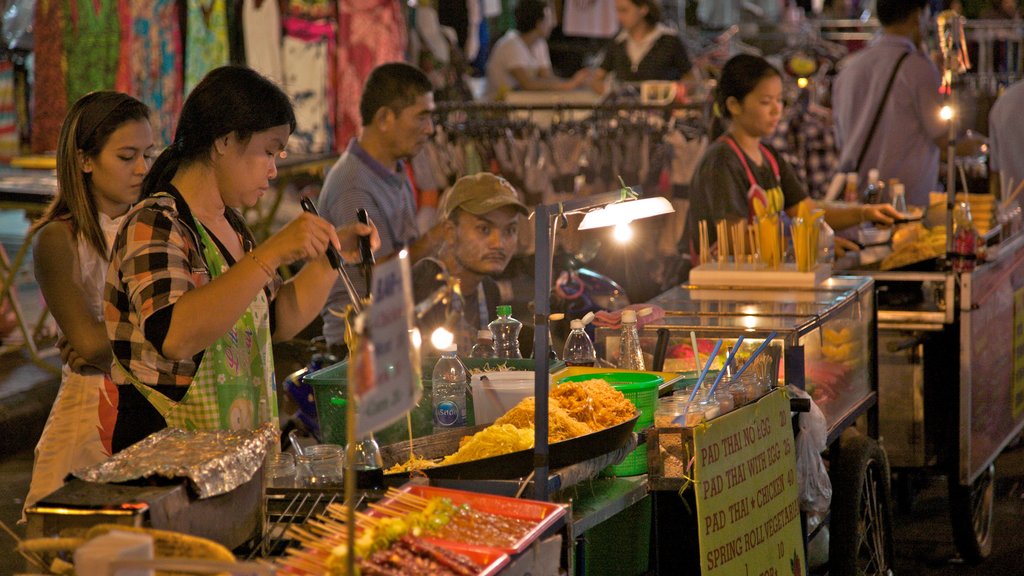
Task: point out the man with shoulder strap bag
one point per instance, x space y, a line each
887 101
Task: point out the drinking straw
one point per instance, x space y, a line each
728 361
696 355
704 372
755 354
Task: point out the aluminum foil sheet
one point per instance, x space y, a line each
215 462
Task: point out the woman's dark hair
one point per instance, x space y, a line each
528 14
85 131
739 77
228 99
395 85
653 15
891 12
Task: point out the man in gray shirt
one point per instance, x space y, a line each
1006 140
909 134
396 107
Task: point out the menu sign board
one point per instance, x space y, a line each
396 388
745 474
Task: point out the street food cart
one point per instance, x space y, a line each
951 390
827 334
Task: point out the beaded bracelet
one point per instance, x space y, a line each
262 264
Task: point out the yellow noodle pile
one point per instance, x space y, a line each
494 440
594 402
561 426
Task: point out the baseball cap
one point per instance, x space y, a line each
479 194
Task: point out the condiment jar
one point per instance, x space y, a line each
711 407
666 412
320 466
281 471
723 398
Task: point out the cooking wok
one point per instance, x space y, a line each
506 466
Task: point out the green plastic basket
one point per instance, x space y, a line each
640 388
330 388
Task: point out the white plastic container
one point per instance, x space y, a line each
495 393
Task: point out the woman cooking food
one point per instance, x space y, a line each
192 303
738 169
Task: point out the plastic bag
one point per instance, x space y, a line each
812 478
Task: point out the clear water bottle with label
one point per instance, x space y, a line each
578 350
450 381
506 334
631 356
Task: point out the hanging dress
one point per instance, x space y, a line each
370 33
206 44
151 61
92 34
49 92
261 27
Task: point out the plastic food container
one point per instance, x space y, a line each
495 393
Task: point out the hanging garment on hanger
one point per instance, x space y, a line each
49 94
306 50
566 146
686 154
151 61
91 46
206 39
261 27
370 32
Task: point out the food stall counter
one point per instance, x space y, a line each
827 335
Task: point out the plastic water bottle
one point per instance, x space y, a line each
506 334
450 381
484 347
578 350
631 357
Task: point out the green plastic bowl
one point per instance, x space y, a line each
621 381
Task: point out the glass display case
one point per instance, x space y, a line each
827 334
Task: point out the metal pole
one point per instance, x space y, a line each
542 305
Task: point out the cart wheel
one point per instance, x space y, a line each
861 540
970 511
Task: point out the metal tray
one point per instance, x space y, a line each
507 466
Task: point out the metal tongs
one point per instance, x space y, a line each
334 257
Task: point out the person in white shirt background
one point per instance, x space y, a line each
520 60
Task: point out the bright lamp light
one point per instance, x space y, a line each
623 233
441 338
946 112
625 211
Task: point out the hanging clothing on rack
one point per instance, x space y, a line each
370 32
92 34
151 61
306 55
206 41
49 94
261 27
805 137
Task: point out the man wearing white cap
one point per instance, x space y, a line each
479 218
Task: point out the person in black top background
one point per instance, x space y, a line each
645 49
